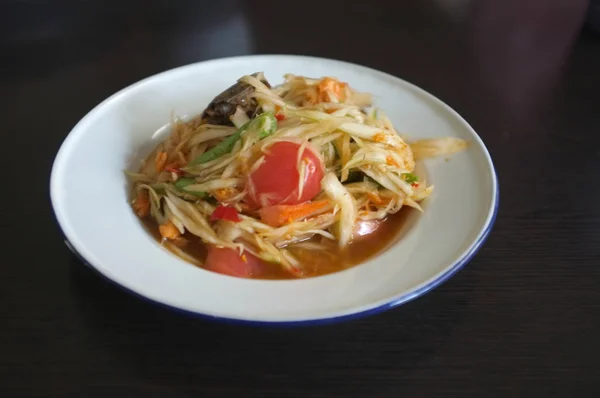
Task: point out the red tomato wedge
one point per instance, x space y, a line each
276 181
229 262
225 213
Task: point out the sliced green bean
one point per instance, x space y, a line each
184 182
265 123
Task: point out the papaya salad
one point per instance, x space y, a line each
280 180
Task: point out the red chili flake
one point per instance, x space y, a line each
296 271
280 116
176 170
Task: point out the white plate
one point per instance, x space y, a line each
90 197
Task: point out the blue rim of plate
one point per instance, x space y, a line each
457 266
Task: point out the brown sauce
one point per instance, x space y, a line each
314 262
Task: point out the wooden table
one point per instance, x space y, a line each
521 320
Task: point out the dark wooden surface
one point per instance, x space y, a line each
521 320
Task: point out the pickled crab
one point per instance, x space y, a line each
224 105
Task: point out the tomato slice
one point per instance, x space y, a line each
276 181
228 262
225 213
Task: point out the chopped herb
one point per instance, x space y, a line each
410 178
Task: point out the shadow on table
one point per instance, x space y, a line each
502 59
186 353
142 37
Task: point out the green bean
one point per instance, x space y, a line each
265 123
184 182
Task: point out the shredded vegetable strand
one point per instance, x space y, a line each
339 194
